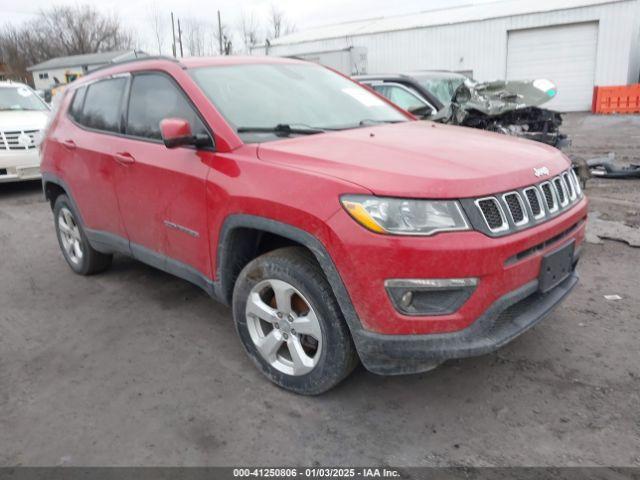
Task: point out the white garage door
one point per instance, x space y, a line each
564 54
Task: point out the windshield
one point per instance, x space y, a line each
442 88
267 96
20 98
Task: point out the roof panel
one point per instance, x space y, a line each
79 60
466 13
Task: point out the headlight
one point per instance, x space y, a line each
398 216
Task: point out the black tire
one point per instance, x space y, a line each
92 261
297 267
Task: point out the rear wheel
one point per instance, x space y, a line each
290 323
77 251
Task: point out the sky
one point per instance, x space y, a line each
303 13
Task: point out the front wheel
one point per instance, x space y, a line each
290 323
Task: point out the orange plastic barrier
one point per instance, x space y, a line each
609 100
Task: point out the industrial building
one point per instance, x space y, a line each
577 44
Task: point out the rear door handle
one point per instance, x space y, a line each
70 144
125 158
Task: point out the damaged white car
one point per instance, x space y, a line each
509 107
23 116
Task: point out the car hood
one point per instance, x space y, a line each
496 98
22 120
420 159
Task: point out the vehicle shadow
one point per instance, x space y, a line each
21 190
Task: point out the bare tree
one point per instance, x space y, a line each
249 27
227 39
278 23
157 26
198 37
59 31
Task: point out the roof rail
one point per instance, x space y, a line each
144 58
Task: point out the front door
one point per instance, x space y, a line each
161 191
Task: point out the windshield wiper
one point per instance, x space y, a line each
371 121
283 129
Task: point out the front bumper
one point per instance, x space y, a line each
507 269
18 165
510 316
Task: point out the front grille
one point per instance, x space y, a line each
569 184
516 208
534 202
18 140
548 196
576 182
506 212
491 212
559 190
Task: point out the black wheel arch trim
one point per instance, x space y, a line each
50 178
290 232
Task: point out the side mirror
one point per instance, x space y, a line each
176 132
423 111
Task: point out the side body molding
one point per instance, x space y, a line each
222 287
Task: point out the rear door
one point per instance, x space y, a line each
89 166
161 191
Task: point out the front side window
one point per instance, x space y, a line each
153 98
102 105
265 96
400 96
20 98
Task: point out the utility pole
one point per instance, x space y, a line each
180 38
173 32
220 33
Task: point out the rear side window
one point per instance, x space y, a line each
102 105
153 98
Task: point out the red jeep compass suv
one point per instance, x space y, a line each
337 227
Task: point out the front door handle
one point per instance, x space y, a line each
125 158
70 144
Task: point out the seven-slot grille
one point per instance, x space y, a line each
490 209
549 196
530 205
516 208
570 190
557 182
10 140
533 197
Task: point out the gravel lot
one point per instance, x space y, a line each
135 367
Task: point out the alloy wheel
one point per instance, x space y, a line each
284 327
70 236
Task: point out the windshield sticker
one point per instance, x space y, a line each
364 97
24 92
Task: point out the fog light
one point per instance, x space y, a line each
440 296
406 299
